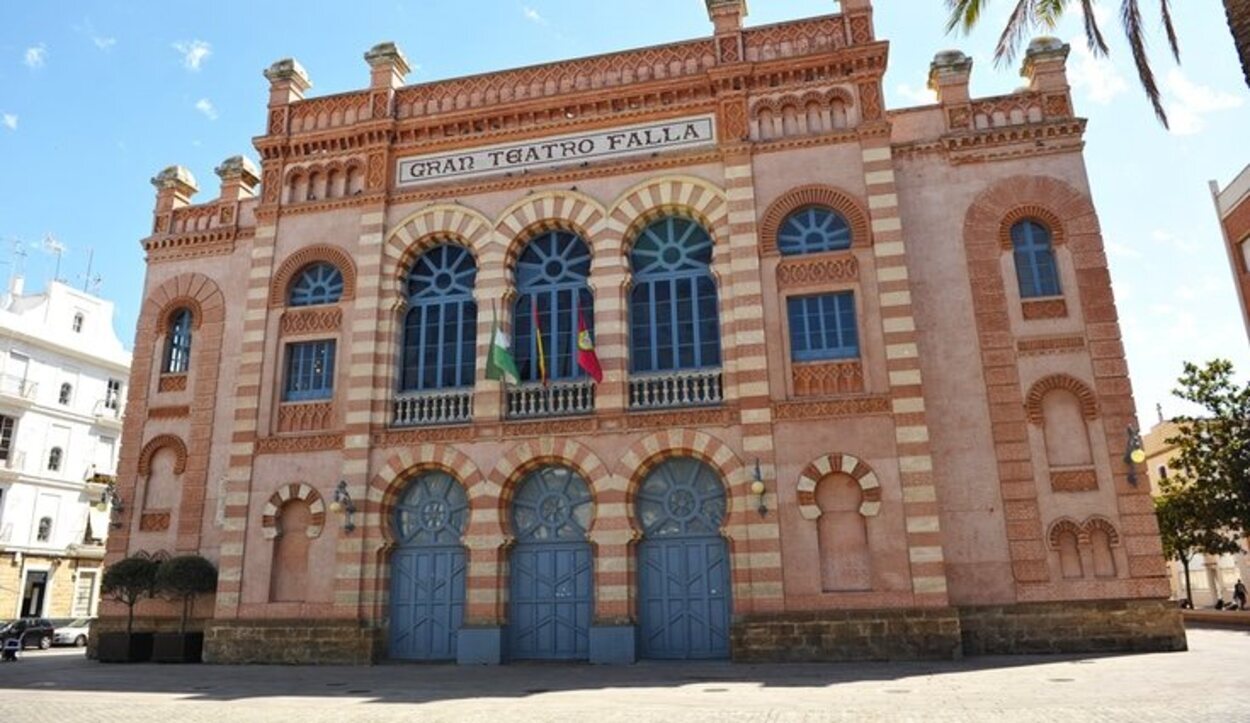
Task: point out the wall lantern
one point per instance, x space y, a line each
1134 454
344 505
758 489
110 499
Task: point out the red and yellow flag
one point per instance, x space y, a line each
541 359
586 357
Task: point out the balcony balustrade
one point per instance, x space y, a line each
672 390
557 399
18 387
427 409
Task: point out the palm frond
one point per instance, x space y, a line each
1165 9
1130 16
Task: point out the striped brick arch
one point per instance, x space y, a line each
432 225
1046 385
393 477
549 210
1061 526
289 493
498 486
815 195
856 468
670 195
647 453
300 259
1031 212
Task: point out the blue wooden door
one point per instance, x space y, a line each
428 569
551 592
683 564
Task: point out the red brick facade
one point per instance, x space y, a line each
933 425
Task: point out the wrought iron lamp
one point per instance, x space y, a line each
758 488
344 505
109 499
1134 454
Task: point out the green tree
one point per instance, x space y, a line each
1029 15
182 578
1189 525
1213 450
128 581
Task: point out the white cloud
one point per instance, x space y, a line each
1167 238
1096 77
916 96
36 56
103 42
9 120
1120 250
194 53
533 15
205 106
1187 103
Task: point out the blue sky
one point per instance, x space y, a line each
96 97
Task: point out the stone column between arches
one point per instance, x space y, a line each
911 428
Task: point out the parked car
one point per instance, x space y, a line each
72 632
33 632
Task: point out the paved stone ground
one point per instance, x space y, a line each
1208 683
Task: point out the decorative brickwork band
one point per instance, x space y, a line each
298 261
859 470
289 493
1038 392
836 199
1031 212
1081 531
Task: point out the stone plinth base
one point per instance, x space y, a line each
291 642
1095 626
848 635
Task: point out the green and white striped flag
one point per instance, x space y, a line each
499 361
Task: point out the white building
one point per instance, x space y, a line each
62 372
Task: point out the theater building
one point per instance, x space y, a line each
1232 206
863 391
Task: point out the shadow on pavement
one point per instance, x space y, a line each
394 682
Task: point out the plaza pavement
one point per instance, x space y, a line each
1208 683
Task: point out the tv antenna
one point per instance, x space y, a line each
91 283
56 248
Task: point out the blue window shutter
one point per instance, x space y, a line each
309 371
440 330
823 327
551 274
1034 255
813 229
674 307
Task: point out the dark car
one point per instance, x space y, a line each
33 632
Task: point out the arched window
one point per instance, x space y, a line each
812 230
674 320
67 391
440 330
78 319
54 459
1035 260
319 283
178 343
551 277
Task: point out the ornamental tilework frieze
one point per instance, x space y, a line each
824 379
306 443
856 407
311 321
1074 480
816 271
305 417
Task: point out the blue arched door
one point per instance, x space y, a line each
683 563
428 569
550 603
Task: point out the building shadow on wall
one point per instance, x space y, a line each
395 682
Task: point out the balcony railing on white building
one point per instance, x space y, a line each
15 386
670 390
557 399
425 409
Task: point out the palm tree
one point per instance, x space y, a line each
1030 14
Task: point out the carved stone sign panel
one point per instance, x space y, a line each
558 151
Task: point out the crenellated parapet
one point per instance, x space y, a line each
1035 120
184 230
